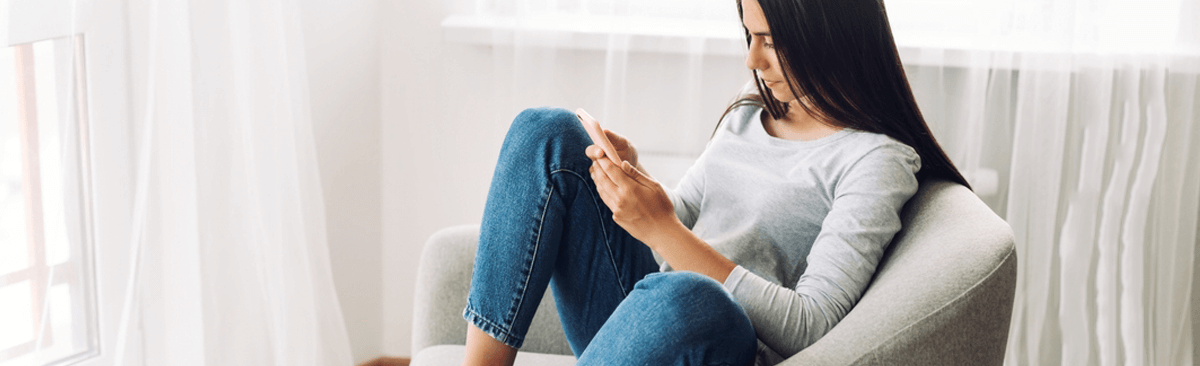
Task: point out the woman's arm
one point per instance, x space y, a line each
687 252
641 206
862 220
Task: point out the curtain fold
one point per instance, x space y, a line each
231 258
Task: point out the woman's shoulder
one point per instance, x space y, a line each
863 145
738 118
871 141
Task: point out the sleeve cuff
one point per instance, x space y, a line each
734 279
681 210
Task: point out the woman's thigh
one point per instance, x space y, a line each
676 318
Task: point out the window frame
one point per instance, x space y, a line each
77 272
105 146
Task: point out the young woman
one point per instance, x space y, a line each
769 239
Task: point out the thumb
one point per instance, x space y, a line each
618 141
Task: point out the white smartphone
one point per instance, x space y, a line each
598 136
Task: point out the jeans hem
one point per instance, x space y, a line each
491 329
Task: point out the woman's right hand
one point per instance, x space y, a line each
624 148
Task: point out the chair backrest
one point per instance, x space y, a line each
942 295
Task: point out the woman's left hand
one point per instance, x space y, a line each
638 203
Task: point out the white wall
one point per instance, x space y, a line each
446 108
342 48
437 144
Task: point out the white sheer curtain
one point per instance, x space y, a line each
1082 114
1074 119
231 263
660 72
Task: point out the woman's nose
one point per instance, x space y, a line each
754 60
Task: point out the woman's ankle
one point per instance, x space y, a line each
483 350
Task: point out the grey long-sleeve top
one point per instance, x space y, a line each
806 221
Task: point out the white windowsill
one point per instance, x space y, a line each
599 33
709 37
655 35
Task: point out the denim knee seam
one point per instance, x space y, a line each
537 244
598 203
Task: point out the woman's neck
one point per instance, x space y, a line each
798 125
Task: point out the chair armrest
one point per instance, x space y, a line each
942 295
443 280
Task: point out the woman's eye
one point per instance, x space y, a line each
768 45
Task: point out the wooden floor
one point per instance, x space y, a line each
387 361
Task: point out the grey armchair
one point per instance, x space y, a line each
942 295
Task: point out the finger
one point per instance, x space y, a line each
600 177
622 145
594 152
604 185
635 174
617 140
616 173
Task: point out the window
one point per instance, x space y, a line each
711 26
47 290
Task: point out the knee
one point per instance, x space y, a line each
682 285
542 116
541 125
692 298
696 310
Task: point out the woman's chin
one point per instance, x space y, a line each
785 98
782 94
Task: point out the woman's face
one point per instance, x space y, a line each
762 57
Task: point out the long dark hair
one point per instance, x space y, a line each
841 57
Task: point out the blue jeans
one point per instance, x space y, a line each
544 224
